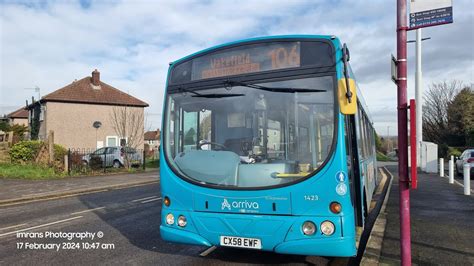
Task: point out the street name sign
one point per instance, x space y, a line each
427 13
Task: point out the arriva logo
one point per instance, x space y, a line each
225 204
240 205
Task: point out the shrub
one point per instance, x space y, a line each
454 152
25 151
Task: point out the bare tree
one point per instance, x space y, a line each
129 124
435 109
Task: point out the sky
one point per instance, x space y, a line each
49 44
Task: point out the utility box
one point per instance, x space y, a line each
429 157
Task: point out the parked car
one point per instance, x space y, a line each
115 156
466 157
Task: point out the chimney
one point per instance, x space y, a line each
96 78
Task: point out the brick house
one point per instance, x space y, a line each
72 111
152 138
18 117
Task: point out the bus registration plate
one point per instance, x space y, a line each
241 242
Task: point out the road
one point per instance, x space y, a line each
129 220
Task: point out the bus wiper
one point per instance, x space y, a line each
212 95
272 89
218 95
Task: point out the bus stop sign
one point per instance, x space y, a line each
430 13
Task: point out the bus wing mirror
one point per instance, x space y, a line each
347 88
346 107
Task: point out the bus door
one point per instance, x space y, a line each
354 169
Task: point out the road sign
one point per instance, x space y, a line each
394 69
430 13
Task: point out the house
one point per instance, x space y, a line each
89 114
152 138
18 117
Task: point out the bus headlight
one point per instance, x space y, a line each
327 228
309 228
182 221
170 219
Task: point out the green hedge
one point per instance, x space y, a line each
26 151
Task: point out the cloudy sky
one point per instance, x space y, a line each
50 43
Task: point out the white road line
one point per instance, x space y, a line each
207 251
13 226
144 198
39 226
89 210
146 201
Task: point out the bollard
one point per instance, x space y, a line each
451 171
441 167
467 179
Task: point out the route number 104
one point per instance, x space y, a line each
285 57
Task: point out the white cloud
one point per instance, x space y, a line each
49 44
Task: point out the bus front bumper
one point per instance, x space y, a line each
180 236
339 247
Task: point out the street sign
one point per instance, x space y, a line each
425 13
394 69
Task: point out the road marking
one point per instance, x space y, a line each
146 201
207 251
89 210
144 198
13 226
41 225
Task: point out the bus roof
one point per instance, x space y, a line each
327 37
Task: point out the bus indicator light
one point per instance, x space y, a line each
335 207
167 201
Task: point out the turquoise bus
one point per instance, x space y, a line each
266 145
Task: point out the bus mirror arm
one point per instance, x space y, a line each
345 59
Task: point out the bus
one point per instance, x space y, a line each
267 145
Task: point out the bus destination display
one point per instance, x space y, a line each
249 59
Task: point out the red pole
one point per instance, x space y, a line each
405 241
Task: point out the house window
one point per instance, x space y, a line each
41 114
112 141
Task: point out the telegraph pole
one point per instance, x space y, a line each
403 181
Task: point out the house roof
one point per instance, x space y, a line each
84 91
20 113
152 135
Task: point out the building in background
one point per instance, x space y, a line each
18 117
152 139
83 115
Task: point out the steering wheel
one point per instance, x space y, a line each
221 146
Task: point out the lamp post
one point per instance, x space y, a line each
96 125
418 93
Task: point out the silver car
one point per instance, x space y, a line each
466 157
115 156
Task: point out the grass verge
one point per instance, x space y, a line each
28 171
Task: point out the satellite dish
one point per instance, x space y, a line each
97 124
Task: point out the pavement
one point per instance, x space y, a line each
441 223
14 191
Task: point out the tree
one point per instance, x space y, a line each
129 124
435 110
461 118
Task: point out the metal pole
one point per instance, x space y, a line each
404 189
451 170
467 179
441 167
418 93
